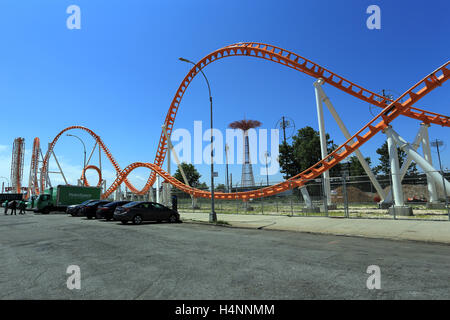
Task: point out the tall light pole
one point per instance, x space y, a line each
267 154
212 215
226 160
437 143
84 147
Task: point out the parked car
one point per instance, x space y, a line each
138 211
73 210
106 211
90 209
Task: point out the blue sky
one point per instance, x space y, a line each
118 74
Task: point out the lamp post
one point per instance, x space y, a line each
267 154
84 147
438 143
226 160
212 215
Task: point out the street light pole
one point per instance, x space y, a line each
227 181
437 143
212 215
84 147
267 154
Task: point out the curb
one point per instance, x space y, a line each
318 233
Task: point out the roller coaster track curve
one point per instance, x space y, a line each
391 110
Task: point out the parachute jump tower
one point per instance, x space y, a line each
247 179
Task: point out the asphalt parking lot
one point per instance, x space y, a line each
192 261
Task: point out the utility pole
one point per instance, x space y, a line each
267 154
437 143
226 160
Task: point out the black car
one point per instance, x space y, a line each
106 211
73 210
138 211
90 209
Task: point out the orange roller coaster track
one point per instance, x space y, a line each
391 110
99 172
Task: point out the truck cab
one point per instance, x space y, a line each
44 203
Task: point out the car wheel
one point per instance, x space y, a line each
137 219
173 218
124 222
46 210
108 219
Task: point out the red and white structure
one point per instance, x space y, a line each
17 164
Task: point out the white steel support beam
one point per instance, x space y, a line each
395 170
157 188
406 163
57 163
432 192
323 142
347 135
100 159
92 152
421 162
306 197
169 143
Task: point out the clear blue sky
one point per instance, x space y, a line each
118 74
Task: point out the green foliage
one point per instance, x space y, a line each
385 168
303 153
355 168
220 187
202 186
192 175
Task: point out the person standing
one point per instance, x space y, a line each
13 207
22 207
6 207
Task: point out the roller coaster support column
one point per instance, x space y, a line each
158 184
433 200
347 135
310 208
421 162
399 207
323 144
416 143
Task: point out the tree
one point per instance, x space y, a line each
303 153
191 173
220 187
355 168
385 166
203 186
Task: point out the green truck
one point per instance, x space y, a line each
57 199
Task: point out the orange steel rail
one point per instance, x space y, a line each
391 110
96 169
34 168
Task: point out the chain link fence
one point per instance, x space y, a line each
351 197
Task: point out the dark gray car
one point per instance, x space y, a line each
138 211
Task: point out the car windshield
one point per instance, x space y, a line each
131 204
87 201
